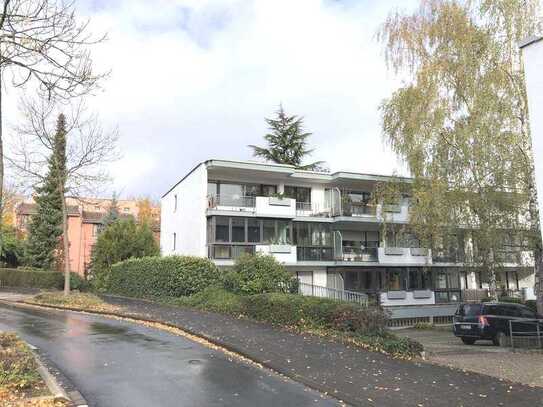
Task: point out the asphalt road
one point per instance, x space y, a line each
116 363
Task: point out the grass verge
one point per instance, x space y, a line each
20 382
80 301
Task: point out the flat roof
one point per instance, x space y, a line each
291 172
530 41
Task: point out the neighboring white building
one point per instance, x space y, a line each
532 50
326 230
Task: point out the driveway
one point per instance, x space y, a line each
444 348
117 363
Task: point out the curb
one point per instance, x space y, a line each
268 364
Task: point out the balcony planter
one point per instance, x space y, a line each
392 208
418 251
394 251
277 201
396 295
422 294
280 248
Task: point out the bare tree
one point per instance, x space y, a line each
43 45
89 148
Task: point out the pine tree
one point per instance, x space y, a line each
287 142
113 212
46 225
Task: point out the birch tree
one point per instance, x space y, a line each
460 121
44 47
88 149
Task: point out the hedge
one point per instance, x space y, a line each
33 278
171 276
296 310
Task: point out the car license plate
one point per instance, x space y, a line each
465 326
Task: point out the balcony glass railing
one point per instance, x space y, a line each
227 252
351 253
315 253
358 209
231 201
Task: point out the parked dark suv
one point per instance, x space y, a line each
491 321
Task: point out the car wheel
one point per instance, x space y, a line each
501 339
468 341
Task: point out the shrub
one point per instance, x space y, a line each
259 274
214 299
298 311
34 278
392 344
121 240
171 276
12 248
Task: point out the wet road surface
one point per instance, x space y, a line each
117 363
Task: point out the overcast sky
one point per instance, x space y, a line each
194 79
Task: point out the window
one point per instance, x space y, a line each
283 232
174 240
268 230
253 230
396 279
175 203
222 229
312 234
301 194
238 230
238 190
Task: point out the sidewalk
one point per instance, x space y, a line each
354 375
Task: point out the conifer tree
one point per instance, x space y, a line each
46 225
287 142
113 212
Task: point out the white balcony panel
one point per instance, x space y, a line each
275 207
403 256
392 298
283 253
394 213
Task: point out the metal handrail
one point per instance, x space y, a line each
333 293
526 334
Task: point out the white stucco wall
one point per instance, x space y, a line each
533 65
188 221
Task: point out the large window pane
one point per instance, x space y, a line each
238 230
231 194
222 229
269 190
253 230
283 232
269 231
212 189
396 279
301 194
251 189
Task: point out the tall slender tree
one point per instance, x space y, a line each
46 225
460 122
43 47
112 214
287 142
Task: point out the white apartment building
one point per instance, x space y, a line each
327 231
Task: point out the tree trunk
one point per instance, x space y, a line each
66 244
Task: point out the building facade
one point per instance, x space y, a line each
84 224
327 230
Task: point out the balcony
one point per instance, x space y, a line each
315 253
404 255
357 254
284 253
228 251
231 202
275 207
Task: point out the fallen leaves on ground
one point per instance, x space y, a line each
74 300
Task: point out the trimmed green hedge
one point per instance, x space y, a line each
171 276
296 310
33 278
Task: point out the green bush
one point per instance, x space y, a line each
171 276
121 240
12 248
214 299
298 311
33 278
392 344
259 274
